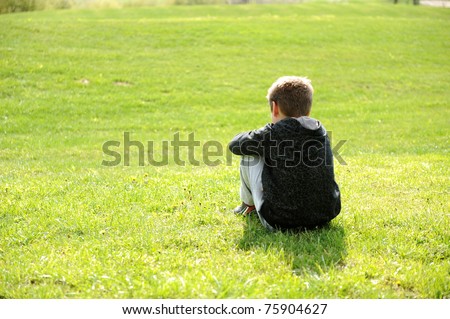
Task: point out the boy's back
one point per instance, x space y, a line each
298 183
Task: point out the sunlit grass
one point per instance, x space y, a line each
72 80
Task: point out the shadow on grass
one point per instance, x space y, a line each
309 251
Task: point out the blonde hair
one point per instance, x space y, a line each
292 94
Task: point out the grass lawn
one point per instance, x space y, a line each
71 80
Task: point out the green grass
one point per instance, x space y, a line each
72 228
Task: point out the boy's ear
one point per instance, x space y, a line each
275 109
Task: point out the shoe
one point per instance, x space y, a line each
244 209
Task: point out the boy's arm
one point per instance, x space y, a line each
249 143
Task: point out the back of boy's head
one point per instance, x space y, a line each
292 94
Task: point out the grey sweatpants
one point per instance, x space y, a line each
251 184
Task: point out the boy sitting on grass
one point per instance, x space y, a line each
286 170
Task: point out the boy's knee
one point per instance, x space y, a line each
251 161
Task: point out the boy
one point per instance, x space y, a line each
287 173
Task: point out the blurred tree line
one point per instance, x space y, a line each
9 6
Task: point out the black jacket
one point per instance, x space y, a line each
299 189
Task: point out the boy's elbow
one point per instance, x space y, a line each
235 145
235 148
